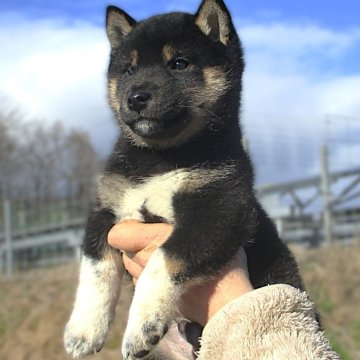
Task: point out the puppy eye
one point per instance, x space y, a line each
179 64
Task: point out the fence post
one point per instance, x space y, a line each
8 239
246 144
325 186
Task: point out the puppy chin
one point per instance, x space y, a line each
156 129
146 128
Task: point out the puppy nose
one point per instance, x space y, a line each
137 100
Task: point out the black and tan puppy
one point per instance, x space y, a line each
174 87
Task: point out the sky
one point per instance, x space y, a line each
301 84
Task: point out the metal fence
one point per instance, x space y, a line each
312 211
317 210
308 176
48 234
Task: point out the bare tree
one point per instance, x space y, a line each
9 149
79 167
44 164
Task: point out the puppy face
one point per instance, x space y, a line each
168 74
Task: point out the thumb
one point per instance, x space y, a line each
132 236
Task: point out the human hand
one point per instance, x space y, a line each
137 241
201 301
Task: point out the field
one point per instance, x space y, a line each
35 306
332 276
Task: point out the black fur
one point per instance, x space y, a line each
99 223
214 222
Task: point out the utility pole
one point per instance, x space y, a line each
8 238
325 187
7 230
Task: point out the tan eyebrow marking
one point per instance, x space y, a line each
134 57
168 52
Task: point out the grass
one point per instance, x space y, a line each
36 305
337 346
332 277
2 329
322 299
355 327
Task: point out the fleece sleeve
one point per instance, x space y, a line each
273 322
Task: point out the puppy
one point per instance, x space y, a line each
174 84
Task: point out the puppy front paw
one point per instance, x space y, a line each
79 345
140 340
84 338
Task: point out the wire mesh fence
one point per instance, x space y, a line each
308 175
34 236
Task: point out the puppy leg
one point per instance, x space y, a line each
153 307
95 303
98 291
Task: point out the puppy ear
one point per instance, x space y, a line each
214 20
118 25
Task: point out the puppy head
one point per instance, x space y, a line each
169 75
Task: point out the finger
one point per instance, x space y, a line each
138 258
142 257
132 267
134 236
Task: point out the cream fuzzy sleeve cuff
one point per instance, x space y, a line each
271 323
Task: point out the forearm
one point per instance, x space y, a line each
274 322
201 302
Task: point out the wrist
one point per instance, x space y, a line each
228 288
202 302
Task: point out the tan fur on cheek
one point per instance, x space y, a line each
216 82
215 85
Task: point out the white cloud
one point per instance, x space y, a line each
57 72
340 95
294 83
281 38
299 70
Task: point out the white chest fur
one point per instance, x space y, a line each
156 193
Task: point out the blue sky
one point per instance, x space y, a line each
334 14
301 85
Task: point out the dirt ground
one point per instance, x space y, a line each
36 305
